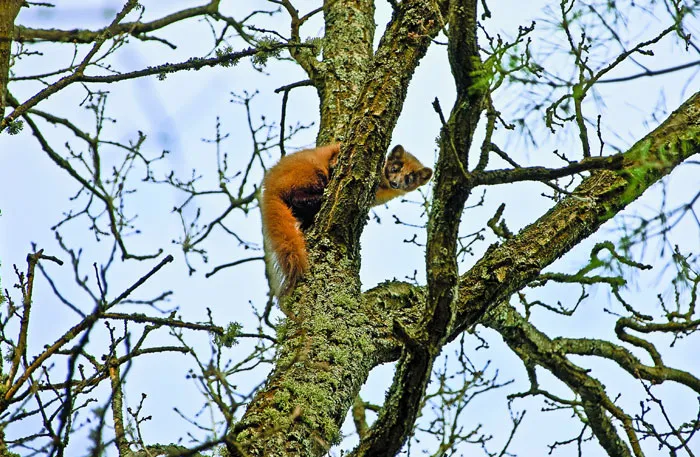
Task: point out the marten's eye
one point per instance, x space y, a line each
395 168
408 179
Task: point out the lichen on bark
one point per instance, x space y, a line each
8 13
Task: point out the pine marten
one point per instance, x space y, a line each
292 195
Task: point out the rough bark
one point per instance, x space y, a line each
330 341
347 52
374 116
8 13
451 190
510 267
334 335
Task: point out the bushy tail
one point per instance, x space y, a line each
285 257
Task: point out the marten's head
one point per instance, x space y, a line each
402 171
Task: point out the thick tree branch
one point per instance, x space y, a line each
8 13
376 111
509 267
490 177
404 400
627 361
347 53
330 342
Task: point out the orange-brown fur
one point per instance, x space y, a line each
292 195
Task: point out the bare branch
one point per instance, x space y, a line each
136 29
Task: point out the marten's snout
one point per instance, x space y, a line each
394 184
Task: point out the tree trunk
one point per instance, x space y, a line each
8 12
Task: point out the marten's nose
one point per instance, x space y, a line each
394 185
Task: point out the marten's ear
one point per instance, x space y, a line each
397 153
424 175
